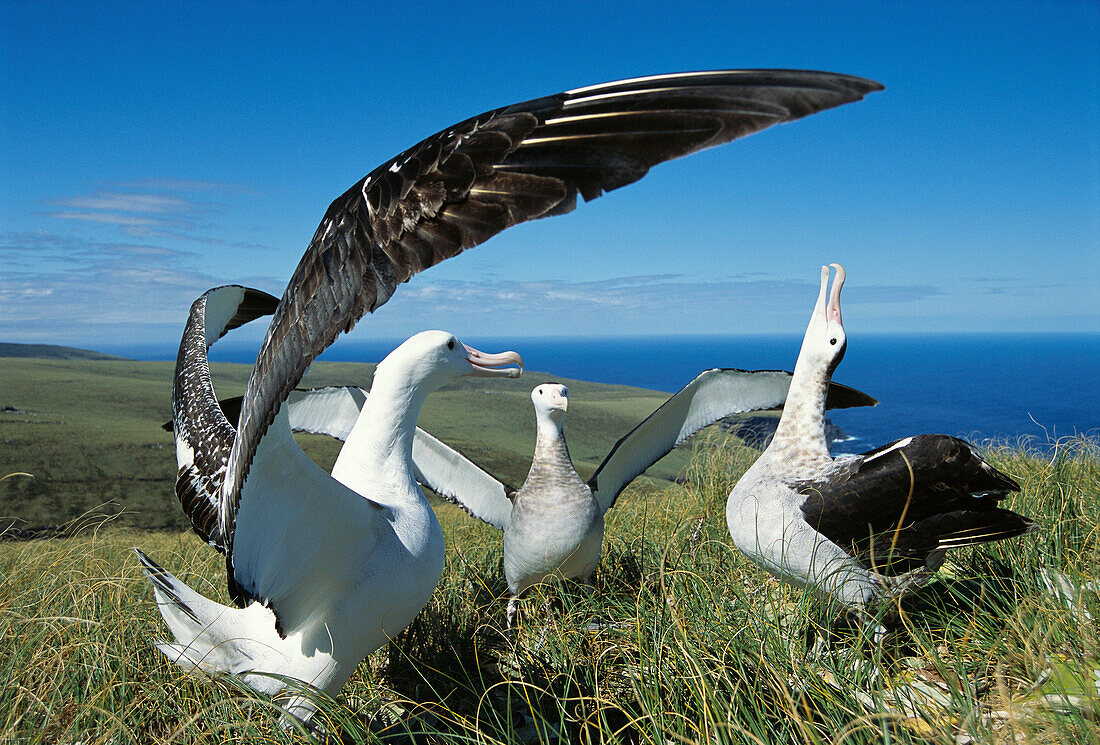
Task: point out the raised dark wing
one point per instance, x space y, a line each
713 395
204 436
894 505
463 185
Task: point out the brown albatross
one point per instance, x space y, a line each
860 528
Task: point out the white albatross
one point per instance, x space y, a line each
344 562
448 193
859 528
554 524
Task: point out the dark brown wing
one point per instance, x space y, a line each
895 505
204 435
467 183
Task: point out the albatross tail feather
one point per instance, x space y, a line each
212 637
183 610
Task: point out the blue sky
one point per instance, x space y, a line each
149 152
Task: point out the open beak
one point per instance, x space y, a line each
489 365
833 312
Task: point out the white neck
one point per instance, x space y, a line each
378 450
802 425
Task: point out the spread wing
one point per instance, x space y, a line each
454 477
204 435
463 185
451 475
328 411
713 395
893 506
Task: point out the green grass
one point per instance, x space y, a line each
89 431
694 644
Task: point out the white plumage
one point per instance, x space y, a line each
553 525
337 564
857 528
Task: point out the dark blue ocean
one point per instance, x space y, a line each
981 387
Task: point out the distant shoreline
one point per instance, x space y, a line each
981 386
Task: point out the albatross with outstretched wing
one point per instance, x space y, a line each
341 562
446 194
553 525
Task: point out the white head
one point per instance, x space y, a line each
432 359
824 343
550 399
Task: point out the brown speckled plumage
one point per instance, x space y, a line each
207 436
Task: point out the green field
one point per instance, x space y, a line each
89 431
684 642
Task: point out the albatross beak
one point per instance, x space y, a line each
484 365
834 296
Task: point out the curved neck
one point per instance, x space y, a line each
378 449
802 425
551 451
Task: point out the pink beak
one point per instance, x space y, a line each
484 365
833 312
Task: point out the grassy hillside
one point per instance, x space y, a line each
90 433
685 641
51 351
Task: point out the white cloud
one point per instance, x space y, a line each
103 217
83 292
155 209
665 304
126 202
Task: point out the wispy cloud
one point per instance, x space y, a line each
621 305
154 209
68 289
1017 286
160 204
183 185
104 217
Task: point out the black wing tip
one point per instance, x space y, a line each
839 397
162 580
146 561
845 397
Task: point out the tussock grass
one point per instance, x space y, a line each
684 641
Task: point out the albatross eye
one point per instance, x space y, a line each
833 341
451 343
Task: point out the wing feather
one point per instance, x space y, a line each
333 411
712 395
328 411
204 436
894 505
394 223
457 479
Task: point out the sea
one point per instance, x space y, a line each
1030 389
